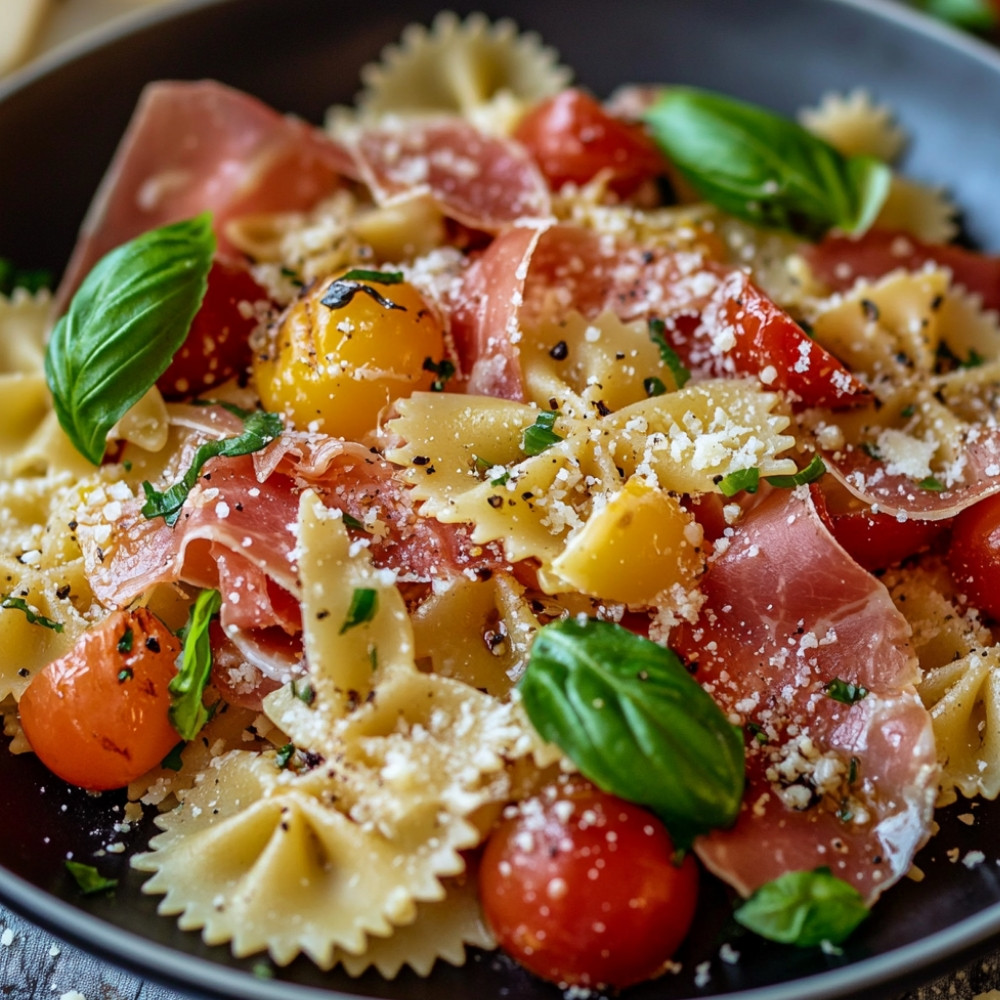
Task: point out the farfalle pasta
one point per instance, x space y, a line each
515 495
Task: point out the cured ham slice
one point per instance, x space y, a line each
201 146
481 181
838 261
714 317
849 784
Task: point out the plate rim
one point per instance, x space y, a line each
201 977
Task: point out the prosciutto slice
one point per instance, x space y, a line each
839 261
482 181
201 146
715 318
830 783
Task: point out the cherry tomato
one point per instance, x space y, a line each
974 556
97 717
571 137
337 367
217 345
875 540
582 889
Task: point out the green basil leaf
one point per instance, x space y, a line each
187 711
972 15
741 480
804 908
123 327
846 692
809 474
680 372
89 879
636 723
763 168
259 430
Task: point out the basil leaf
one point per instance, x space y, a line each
763 168
741 480
187 711
805 908
89 879
972 15
20 604
657 334
259 430
809 474
635 723
846 692
126 321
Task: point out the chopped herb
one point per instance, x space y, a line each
125 642
742 479
501 480
373 657
657 334
845 813
19 604
653 386
364 602
908 410
262 970
757 732
89 879
125 674
259 430
804 908
444 370
342 290
284 755
187 711
540 435
932 484
304 692
809 474
173 761
852 773
871 450
845 692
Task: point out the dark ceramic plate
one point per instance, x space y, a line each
59 123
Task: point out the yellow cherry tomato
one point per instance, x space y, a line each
334 367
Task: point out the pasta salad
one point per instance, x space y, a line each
473 522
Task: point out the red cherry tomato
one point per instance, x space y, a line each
217 345
875 540
572 137
97 717
581 888
974 556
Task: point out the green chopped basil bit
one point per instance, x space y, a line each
809 474
88 879
845 692
173 761
125 674
633 720
284 754
34 618
364 602
342 290
540 436
259 430
804 908
444 370
657 334
305 692
932 484
126 641
763 168
350 521
187 711
742 480
653 386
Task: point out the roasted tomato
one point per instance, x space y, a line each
97 717
584 889
974 556
218 343
572 138
335 367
